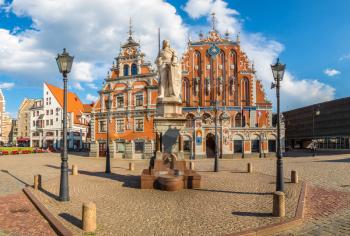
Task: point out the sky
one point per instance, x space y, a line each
310 37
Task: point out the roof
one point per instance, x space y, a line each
88 107
73 101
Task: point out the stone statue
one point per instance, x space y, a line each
169 70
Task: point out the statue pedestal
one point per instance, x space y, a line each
169 107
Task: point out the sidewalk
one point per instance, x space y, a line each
228 202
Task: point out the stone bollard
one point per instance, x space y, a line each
279 202
131 166
250 168
74 170
191 165
37 182
294 177
89 217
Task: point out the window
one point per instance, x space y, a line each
120 147
51 112
47 112
56 119
126 70
187 145
139 124
102 126
34 113
120 126
190 121
139 146
238 146
139 100
120 102
239 120
37 113
34 123
47 122
51 122
255 145
133 69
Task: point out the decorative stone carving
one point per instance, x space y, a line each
169 70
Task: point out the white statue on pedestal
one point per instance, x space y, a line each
169 70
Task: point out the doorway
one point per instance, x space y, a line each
210 146
102 148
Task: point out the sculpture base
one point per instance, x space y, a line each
161 177
169 107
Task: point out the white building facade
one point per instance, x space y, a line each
46 121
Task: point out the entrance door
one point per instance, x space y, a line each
210 146
238 146
102 148
272 145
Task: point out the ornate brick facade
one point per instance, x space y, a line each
214 69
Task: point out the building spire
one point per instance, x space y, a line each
130 29
213 21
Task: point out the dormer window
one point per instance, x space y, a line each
133 69
126 70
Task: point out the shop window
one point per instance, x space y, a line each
139 146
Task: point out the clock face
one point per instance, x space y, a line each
213 50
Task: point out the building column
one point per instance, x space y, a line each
181 148
158 148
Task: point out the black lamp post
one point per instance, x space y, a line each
215 105
278 72
64 63
108 156
314 113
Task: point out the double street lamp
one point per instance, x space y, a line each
64 63
278 73
108 155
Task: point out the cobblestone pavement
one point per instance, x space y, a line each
327 172
19 217
227 202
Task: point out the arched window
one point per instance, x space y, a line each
245 91
133 69
232 88
190 121
126 70
186 91
232 61
239 120
197 63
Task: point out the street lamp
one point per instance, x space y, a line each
64 63
314 113
215 105
278 72
108 156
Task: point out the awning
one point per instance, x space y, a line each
23 139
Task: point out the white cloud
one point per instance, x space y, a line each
92 86
93 36
6 85
345 57
77 86
82 71
263 52
331 72
91 98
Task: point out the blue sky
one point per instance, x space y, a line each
311 37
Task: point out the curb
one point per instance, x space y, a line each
283 225
57 226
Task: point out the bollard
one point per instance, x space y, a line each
279 208
89 217
37 182
250 168
131 166
294 177
74 170
191 165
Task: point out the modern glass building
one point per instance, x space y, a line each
324 125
